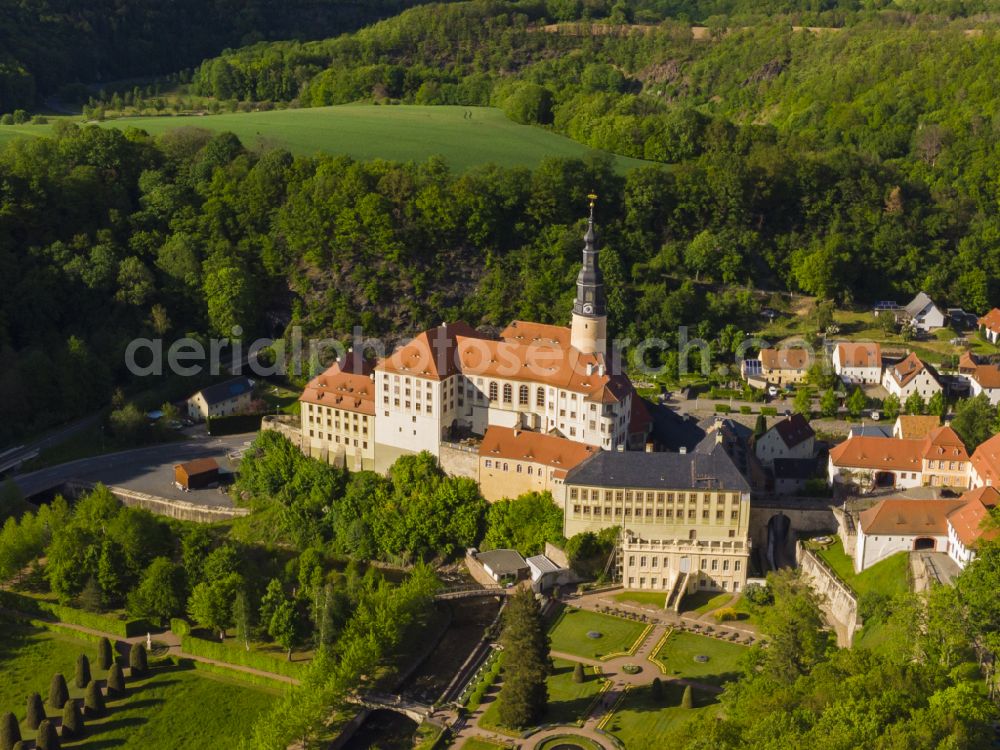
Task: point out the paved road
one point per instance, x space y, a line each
60 435
148 469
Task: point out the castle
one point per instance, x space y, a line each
540 408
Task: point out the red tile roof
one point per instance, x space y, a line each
430 354
968 519
524 332
534 447
346 385
991 320
986 461
785 359
908 517
988 376
917 425
908 369
899 454
860 354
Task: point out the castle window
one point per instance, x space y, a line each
522 395
508 393
540 397
493 390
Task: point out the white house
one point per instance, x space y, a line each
923 314
792 437
989 324
901 525
965 524
910 376
985 379
221 400
858 363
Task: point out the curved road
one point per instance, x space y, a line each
148 469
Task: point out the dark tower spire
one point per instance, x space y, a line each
589 282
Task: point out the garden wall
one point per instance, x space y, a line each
841 602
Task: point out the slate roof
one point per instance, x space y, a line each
918 304
794 430
693 471
502 562
215 394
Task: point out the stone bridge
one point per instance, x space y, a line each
471 591
410 708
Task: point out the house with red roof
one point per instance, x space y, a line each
911 376
901 525
989 324
858 362
969 524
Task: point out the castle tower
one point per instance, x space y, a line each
589 331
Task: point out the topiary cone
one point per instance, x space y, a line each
578 672
72 720
10 732
82 676
36 711
58 692
93 700
105 656
47 738
137 659
116 682
687 700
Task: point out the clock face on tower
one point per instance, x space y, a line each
588 309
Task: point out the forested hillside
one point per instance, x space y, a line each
49 44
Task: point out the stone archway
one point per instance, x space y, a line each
924 543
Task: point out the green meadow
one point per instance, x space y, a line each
464 136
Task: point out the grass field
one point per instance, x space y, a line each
644 724
678 652
886 577
652 598
474 743
701 602
397 133
172 707
568 700
569 633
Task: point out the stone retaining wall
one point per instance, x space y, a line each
841 601
161 506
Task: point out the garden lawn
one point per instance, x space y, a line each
887 577
568 700
654 598
569 633
475 743
642 724
678 652
368 131
172 707
701 602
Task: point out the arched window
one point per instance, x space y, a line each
540 397
508 393
522 395
493 390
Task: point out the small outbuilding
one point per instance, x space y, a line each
503 565
193 475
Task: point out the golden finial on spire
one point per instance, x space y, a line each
592 197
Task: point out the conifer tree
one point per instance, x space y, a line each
10 732
116 682
578 673
687 700
656 691
72 720
36 711
137 659
524 695
105 655
58 691
82 677
47 738
93 700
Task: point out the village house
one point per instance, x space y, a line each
910 376
914 426
513 462
985 464
790 438
989 325
684 517
858 363
224 399
985 378
779 367
922 314
966 524
939 459
902 525
338 414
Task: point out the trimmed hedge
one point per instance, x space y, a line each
234 675
769 411
722 408
241 657
234 425
93 620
